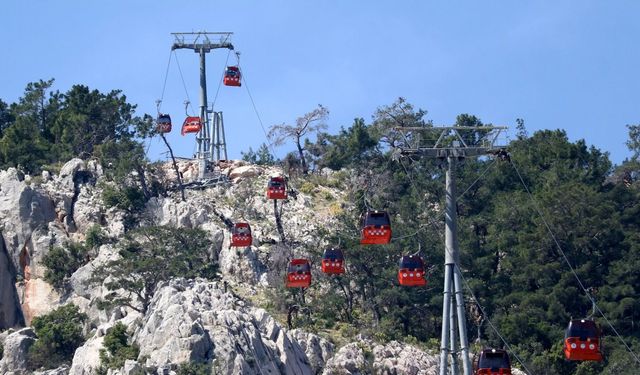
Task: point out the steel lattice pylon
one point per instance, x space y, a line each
451 143
203 42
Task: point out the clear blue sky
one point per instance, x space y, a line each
556 64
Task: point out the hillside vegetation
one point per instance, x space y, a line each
510 261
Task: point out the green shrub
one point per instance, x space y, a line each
95 237
192 368
62 262
116 348
128 198
59 335
308 188
150 255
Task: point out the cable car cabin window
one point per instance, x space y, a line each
411 262
334 254
582 329
377 219
494 361
299 268
241 229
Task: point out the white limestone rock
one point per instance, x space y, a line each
16 347
402 359
23 209
10 312
196 321
317 349
349 360
62 370
86 359
365 357
243 172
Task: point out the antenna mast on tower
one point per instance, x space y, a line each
203 42
453 143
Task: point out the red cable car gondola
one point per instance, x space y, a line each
299 274
333 261
191 124
163 123
277 188
583 341
411 271
232 76
492 362
241 235
376 228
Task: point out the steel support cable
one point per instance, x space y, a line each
477 179
215 98
183 82
464 280
564 256
466 284
255 109
460 196
164 85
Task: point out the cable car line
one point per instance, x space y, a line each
477 179
215 98
473 296
255 109
188 102
564 256
164 85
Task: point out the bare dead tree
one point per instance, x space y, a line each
175 166
308 124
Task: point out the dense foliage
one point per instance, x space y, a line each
47 126
261 157
510 261
150 255
59 335
192 368
117 348
62 262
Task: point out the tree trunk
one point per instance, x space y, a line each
348 295
305 169
175 167
143 181
292 310
279 222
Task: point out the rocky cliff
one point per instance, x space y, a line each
188 320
